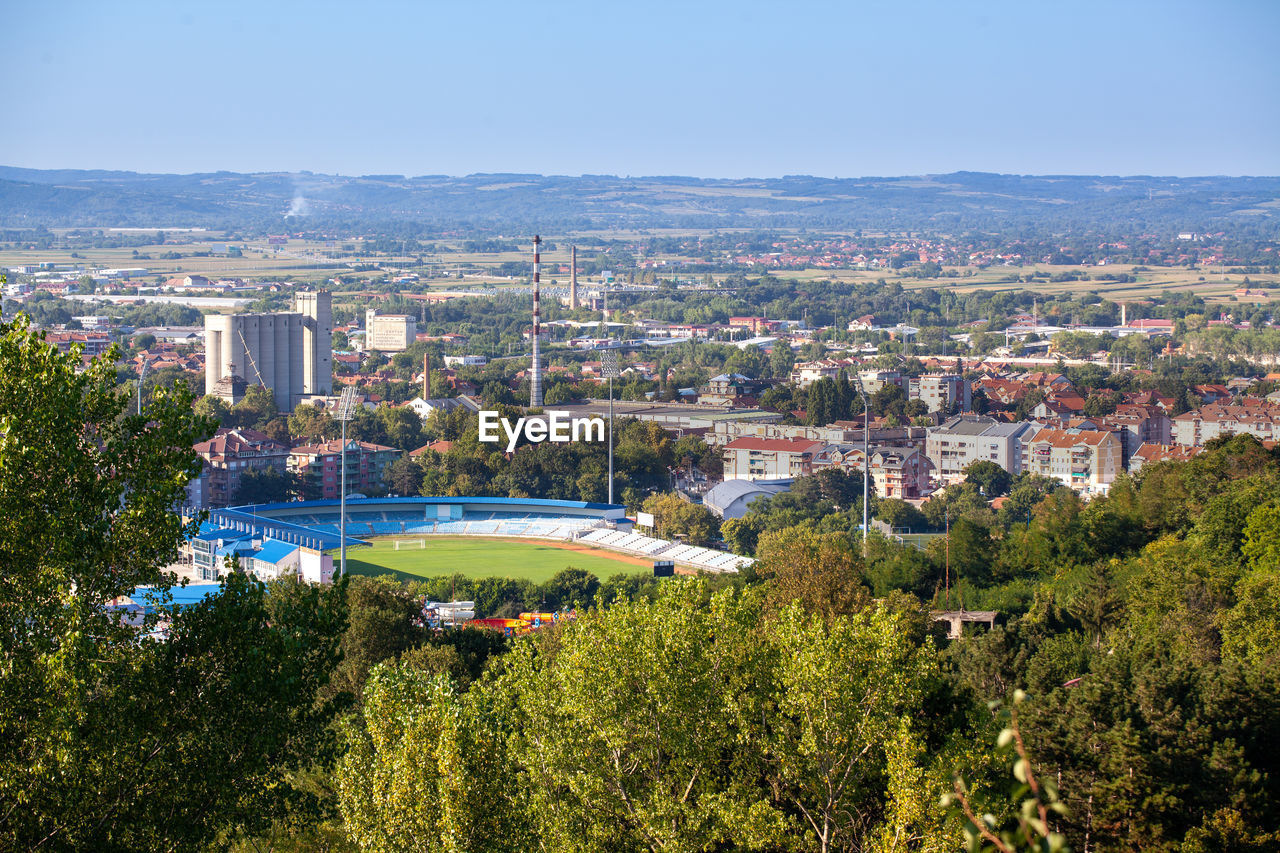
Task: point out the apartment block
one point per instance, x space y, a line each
1259 418
1084 460
941 392
320 466
227 456
770 458
964 439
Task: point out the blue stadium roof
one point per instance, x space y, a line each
273 551
252 524
298 522
357 503
183 596
240 546
212 533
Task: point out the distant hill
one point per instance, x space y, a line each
961 201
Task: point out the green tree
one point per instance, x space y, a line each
255 408
116 741
844 691
992 480
262 486
213 407
312 423
675 516
820 571
625 733
421 769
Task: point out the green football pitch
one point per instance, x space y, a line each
479 557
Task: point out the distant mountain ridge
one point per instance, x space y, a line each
951 202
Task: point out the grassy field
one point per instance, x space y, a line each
477 557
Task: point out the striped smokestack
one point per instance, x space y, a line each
573 278
535 379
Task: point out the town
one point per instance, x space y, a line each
601 428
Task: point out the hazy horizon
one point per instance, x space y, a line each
505 173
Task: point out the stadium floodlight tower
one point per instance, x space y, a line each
866 460
609 366
141 377
346 405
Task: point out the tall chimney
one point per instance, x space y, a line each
535 379
426 378
573 278
1122 313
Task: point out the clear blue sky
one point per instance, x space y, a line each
711 89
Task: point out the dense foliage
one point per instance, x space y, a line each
118 735
809 703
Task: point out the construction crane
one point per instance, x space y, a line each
249 356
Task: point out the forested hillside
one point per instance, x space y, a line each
955 202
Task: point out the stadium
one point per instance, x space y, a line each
286 532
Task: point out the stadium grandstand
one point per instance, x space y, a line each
597 524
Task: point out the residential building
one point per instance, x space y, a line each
965 439
806 373
941 392
1084 460
425 408
728 389
874 380
1059 404
770 458
187 282
1136 426
1259 418
900 472
320 466
842 455
756 325
227 456
1149 454
93 344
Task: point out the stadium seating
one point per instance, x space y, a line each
406 517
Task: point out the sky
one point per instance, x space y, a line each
705 89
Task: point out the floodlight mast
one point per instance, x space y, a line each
345 404
141 376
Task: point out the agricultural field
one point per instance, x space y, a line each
315 262
478 557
